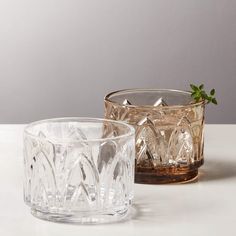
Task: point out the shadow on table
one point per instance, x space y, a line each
142 213
217 170
163 210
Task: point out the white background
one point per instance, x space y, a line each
60 57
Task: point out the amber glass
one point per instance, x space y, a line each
169 132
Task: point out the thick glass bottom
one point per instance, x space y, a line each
83 217
166 175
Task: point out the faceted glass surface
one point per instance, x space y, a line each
169 132
79 170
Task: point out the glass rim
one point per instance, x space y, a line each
108 96
130 132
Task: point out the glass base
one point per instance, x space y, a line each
84 217
145 178
165 175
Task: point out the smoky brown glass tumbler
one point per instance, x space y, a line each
169 132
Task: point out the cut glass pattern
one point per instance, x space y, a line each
70 178
169 132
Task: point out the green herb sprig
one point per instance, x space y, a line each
198 94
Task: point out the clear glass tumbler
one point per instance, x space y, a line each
169 132
79 170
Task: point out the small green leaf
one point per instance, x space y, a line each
214 101
204 95
198 93
212 92
193 87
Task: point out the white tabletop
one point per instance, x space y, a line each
206 207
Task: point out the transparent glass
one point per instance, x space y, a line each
79 169
169 132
